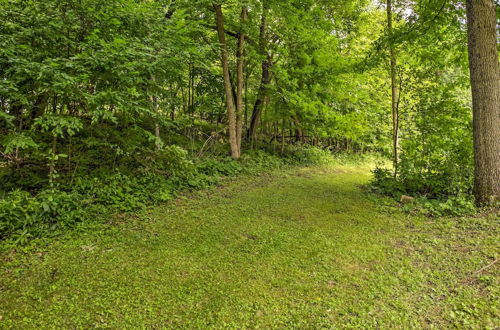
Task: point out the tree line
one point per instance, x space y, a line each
106 84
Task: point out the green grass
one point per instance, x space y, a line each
305 248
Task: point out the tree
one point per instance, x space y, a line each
231 108
266 74
394 91
240 76
485 82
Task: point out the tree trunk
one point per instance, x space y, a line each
39 107
266 75
52 162
231 109
299 135
156 109
173 100
394 91
283 136
485 81
192 93
240 77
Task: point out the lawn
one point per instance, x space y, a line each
304 248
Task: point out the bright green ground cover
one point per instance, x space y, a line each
305 248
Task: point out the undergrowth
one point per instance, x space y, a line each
160 177
455 200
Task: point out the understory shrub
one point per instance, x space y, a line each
434 197
258 160
452 206
304 154
158 177
219 167
23 216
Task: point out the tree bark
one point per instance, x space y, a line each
394 91
231 109
299 135
485 82
39 106
156 109
240 77
266 75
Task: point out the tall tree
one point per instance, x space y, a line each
394 90
266 74
485 81
231 108
240 75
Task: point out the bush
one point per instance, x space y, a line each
304 154
452 206
125 193
258 160
384 183
158 177
222 167
169 161
430 204
23 216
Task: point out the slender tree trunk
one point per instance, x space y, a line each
485 81
394 91
283 137
156 108
298 130
172 104
192 89
266 75
231 109
248 73
52 164
184 101
189 92
39 106
240 76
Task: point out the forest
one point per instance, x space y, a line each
249 163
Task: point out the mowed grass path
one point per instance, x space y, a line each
305 248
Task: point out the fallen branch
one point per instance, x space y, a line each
470 279
486 267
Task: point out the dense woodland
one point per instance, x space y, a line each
108 106
249 164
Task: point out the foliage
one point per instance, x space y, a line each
111 107
23 217
223 167
435 118
165 174
16 141
453 206
303 154
122 102
427 204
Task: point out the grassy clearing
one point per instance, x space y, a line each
306 248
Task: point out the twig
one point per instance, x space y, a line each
470 279
486 267
202 150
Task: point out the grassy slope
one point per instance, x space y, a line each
305 249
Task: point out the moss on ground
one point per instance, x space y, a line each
306 248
